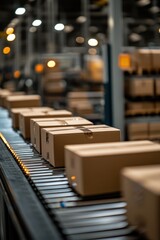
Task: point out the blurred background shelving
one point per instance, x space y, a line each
76 48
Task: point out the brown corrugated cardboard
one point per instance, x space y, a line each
157 84
155 59
53 141
24 119
141 190
139 108
140 87
56 122
16 111
154 130
4 94
138 131
144 59
23 101
96 170
157 107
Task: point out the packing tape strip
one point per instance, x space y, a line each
87 132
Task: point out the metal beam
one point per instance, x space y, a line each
115 38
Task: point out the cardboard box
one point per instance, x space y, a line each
3 93
157 84
155 59
157 107
23 101
138 131
53 141
16 111
139 108
6 93
96 170
140 87
24 119
56 122
141 190
154 130
144 58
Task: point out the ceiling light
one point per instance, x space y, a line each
134 37
68 28
9 30
92 42
11 37
92 51
36 23
143 3
154 9
32 29
80 40
20 11
17 74
51 63
81 19
6 50
59 26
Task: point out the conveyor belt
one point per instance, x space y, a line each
58 212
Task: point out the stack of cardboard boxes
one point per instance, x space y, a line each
144 130
94 158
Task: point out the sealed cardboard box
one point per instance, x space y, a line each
16 111
154 130
141 190
139 108
4 94
56 122
138 131
157 83
140 87
23 101
155 59
96 170
24 119
5 99
53 141
144 58
157 107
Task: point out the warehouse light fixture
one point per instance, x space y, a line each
51 63
11 37
81 19
68 28
17 74
59 26
134 37
36 23
9 30
20 11
154 9
6 50
92 42
32 29
80 40
143 3
39 68
92 51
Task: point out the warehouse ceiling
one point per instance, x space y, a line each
141 17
